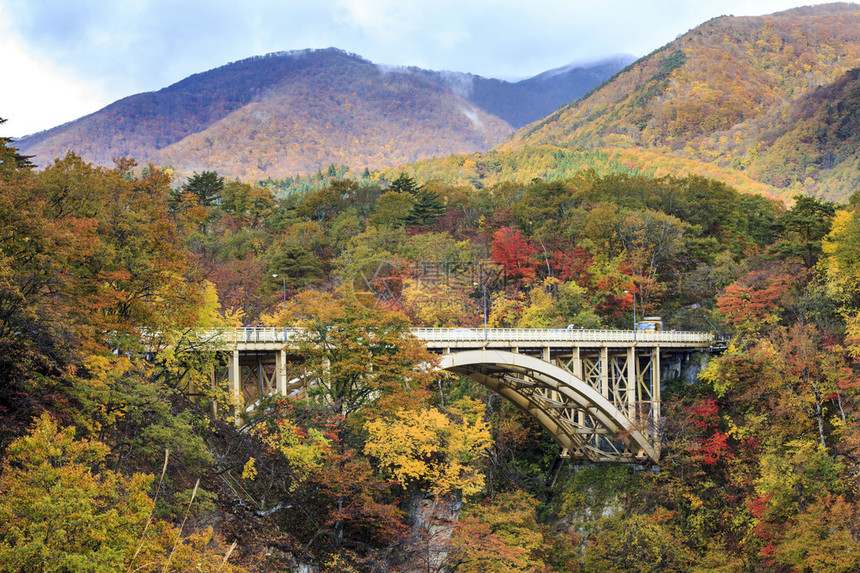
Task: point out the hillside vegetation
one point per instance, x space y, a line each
766 103
349 112
381 463
731 93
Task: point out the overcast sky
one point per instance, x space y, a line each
62 59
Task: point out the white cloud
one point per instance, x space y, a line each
36 95
385 19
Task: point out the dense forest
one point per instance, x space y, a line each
113 460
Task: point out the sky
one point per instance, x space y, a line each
63 59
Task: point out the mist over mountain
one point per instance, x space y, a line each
525 101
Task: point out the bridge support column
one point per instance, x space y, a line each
545 356
234 373
576 363
604 372
213 383
655 395
281 372
631 383
576 366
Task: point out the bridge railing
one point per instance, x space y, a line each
477 335
559 335
249 334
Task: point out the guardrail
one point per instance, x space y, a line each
285 334
557 335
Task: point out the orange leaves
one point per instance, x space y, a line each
478 548
500 534
751 304
746 303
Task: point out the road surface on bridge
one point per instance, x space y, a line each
492 337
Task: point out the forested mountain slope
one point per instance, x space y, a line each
730 93
351 114
818 141
297 112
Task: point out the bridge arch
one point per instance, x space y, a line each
580 419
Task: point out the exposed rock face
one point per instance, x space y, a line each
433 520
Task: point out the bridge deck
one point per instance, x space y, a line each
273 338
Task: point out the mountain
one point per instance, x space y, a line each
297 112
740 94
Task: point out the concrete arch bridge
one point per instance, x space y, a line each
597 392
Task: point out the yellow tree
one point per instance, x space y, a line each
429 449
62 510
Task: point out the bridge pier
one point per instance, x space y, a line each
234 376
631 383
253 374
655 390
281 371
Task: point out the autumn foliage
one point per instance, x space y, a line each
120 449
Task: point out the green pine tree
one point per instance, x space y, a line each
404 184
207 186
426 209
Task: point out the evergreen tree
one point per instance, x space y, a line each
802 228
207 186
425 210
9 155
404 184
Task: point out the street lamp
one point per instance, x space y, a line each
285 289
634 312
484 285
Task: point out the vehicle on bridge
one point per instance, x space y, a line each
650 323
